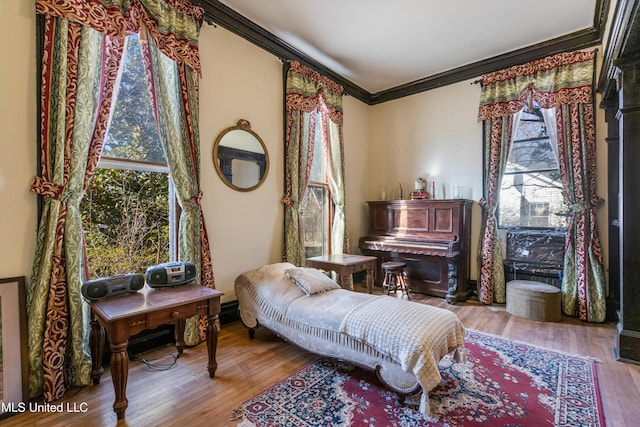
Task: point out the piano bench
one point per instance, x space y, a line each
534 300
394 277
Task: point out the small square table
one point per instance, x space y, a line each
125 315
344 265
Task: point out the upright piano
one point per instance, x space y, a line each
432 237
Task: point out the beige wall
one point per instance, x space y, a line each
434 133
17 136
241 80
358 170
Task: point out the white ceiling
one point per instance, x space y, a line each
382 44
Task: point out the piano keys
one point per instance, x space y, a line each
433 248
432 237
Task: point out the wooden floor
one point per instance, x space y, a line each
185 395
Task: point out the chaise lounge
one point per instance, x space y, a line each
402 341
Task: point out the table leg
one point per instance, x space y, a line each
179 335
213 328
119 373
96 344
343 280
370 274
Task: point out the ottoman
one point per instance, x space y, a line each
533 300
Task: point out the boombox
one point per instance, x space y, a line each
171 274
112 285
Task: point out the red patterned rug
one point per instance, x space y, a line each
503 383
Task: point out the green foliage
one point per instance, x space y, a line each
125 216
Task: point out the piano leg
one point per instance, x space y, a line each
452 275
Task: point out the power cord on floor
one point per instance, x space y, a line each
154 365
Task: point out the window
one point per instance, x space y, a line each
315 211
531 191
127 212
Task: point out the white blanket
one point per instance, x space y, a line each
414 335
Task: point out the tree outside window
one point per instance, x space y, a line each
127 215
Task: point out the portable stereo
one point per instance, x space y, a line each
113 285
170 274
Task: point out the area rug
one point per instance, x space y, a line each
502 383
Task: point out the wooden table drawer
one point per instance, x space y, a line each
170 315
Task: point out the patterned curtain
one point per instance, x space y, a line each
299 154
491 286
583 281
173 24
336 182
309 98
562 82
83 46
174 89
76 61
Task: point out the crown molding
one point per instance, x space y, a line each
574 41
217 13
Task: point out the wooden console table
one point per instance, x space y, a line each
126 315
345 265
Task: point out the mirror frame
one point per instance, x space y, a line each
243 125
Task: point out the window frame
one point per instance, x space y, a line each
107 162
507 228
321 142
326 221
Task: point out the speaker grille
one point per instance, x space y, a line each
136 283
95 290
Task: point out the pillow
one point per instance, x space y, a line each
310 280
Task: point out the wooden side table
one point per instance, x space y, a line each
126 315
345 265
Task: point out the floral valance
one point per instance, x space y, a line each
564 78
306 88
174 25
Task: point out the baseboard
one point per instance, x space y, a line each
359 280
229 313
147 340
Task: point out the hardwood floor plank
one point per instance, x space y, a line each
185 395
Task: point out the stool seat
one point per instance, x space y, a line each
392 264
394 277
534 300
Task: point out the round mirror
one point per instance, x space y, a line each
240 157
